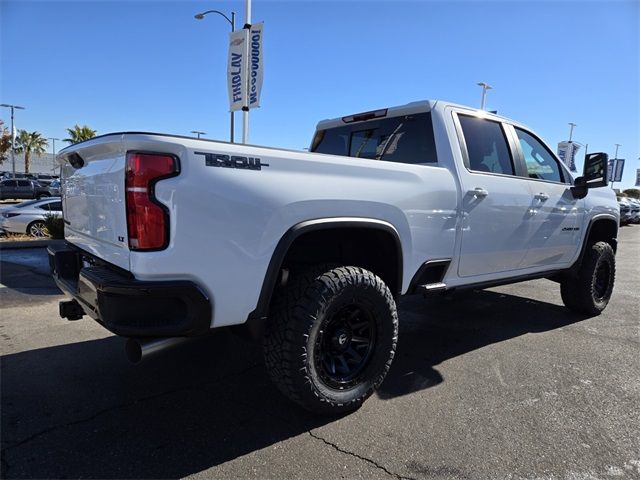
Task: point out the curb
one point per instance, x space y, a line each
29 244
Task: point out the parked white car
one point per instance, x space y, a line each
28 217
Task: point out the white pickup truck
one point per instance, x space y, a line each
171 237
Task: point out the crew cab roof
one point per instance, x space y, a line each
407 109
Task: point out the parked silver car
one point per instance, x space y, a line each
28 217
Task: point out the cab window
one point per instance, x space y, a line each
403 139
487 148
541 164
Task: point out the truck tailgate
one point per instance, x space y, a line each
94 210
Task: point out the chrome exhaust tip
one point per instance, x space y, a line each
138 349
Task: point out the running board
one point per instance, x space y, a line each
432 287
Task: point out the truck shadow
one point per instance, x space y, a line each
80 410
436 329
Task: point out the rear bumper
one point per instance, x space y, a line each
126 306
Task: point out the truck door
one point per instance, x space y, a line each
495 202
556 216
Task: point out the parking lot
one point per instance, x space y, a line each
502 383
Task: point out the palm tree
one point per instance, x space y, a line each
28 143
79 134
5 142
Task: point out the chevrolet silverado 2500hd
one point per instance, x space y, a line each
170 237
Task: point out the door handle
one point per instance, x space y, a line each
543 197
479 192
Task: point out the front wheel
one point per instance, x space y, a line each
590 291
37 229
332 338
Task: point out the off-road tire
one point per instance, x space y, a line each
295 342
589 292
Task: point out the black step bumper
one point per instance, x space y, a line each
124 305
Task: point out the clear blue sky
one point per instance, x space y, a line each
149 65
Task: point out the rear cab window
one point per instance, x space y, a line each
403 139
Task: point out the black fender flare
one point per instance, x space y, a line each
585 239
275 264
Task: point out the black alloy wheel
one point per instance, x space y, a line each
344 346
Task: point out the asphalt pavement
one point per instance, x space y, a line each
498 384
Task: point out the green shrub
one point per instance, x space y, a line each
54 225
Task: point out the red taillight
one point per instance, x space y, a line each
147 220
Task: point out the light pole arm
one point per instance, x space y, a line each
200 16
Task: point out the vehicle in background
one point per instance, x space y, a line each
625 211
9 175
22 189
29 217
45 179
634 206
54 188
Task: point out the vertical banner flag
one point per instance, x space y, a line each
256 57
638 177
562 151
237 69
619 170
611 166
572 157
567 153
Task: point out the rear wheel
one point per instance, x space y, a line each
589 292
332 338
42 195
37 229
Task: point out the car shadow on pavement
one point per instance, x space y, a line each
80 410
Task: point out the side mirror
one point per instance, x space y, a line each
594 175
595 169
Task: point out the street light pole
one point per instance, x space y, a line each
247 51
13 136
199 132
485 87
571 130
53 140
232 21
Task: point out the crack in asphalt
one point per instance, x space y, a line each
116 407
353 454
